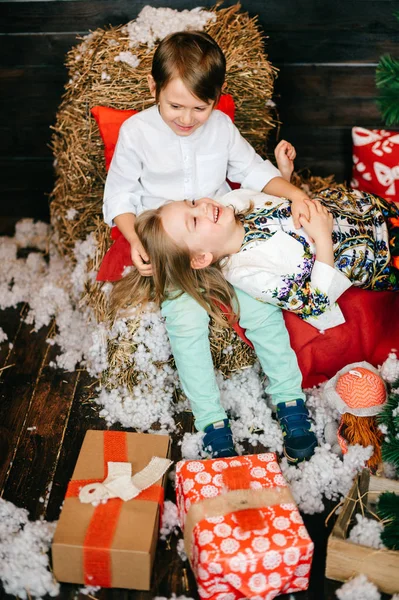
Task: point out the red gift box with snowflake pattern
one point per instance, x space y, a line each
243 533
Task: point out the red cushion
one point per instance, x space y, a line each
109 121
371 330
376 162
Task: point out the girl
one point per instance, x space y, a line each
350 238
183 148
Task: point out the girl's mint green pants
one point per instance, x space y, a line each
187 327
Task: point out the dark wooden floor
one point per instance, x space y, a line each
44 414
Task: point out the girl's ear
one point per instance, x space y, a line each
201 261
151 85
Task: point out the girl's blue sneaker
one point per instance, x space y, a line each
218 440
299 440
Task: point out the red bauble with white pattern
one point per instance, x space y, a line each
376 162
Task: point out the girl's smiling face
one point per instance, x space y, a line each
209 230
181 111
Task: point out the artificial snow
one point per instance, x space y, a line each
170 520
24 565
153 24
3 336
358 588
367 532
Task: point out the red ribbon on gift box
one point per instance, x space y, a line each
101 530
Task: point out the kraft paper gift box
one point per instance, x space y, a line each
243 533
111 544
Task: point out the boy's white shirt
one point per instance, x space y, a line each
152 164
259 269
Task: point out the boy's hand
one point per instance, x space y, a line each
300 207
140 258
285 154
320 224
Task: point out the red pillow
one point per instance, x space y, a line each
376 162
370 332
109 121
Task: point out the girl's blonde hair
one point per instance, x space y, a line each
172 275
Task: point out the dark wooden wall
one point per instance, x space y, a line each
326 50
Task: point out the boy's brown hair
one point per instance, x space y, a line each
196 58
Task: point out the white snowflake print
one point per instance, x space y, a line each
229 546
205 537
219 465
187 485
203 477
271 560
301 582
240 534
263 531
195 466
203 592
302 570
224 596
303 533
238 563
218 480
202 573
291 506
291 556
209 491
279 539
296 517
266 457
204 556
281 523
234 580
258 472
279 481
216 568
222 530
273 467
255 485
260 544
235 463
257 583
274 580
215 519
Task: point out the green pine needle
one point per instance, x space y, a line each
388 506
390 452
390 536
387 81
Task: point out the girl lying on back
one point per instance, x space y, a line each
248 238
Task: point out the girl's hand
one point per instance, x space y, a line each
285 154
319 225
140 258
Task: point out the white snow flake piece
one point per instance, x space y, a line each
24 565
367 532
358 588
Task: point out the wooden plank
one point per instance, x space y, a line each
26 93
338 81
358 15
27 140
24 185
17 387
31 475
27 50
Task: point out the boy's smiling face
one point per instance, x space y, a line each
181 111
209 230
